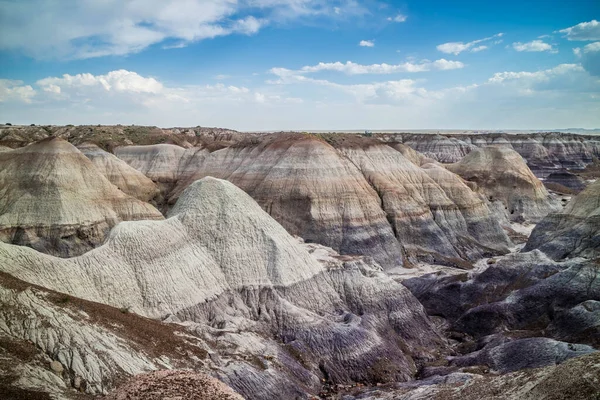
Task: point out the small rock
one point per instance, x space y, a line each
57 367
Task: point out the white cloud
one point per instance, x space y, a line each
590 58
577 51
533 46
563 96
538 76
592 47
459 47
583 31
366 43
114 81
95 28
398 18
12 90
351 68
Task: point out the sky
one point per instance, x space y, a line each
302 64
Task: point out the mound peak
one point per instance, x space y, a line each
60 203
503 176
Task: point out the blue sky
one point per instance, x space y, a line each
302 64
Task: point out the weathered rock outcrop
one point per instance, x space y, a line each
119 173
544 152
52 198
564 182
223 265
440 148
51 342
526 293
575 379
431 209
502 176
311 189
355 194
572 232
514 355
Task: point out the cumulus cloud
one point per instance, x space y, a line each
533 46
95 28
590 58
351 68
366 43
13 90
459 47
583 31
126 89
398 18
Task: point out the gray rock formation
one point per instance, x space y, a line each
544 152
502 176
359 196
312 190
223 266
433 212
572 232
522 292
54 199
439 148
564 182
520 354
575 379
119 173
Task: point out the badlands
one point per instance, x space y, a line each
205 263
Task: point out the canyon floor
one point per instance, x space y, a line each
205 263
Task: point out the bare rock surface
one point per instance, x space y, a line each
54 199
502 176
564 182
311 189
544 152
520 354
359 196
574 379
119 173
440 148
527 293
222 266
431 210
53 343
572 232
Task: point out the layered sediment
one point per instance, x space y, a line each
55 200
503 177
